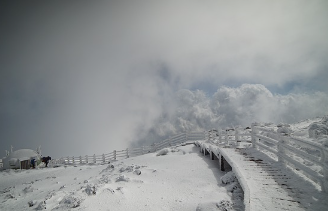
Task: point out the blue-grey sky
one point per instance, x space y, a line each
82 77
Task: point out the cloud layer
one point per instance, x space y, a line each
231 107
84 78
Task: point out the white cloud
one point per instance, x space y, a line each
240 106
95 77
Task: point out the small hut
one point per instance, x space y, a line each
20 159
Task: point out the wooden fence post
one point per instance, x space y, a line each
67 160
86 159
281 150
127 152
73 160
80 159
103 158
219 133
94 158
253 135
226 138
114 154
237 137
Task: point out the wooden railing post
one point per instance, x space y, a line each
253 134
220 136
103 158
86 159
281 150
114 154
127 152
80 159
94 158
236 137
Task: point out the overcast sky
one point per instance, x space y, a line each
85 77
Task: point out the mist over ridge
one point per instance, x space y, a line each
230 107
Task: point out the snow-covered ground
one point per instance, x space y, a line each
175 179
178 178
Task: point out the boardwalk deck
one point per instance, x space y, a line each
266 185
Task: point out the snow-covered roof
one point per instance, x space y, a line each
23 154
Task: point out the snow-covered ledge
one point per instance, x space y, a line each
241 180
239 175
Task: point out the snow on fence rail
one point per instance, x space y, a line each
231 138
301 155
122 154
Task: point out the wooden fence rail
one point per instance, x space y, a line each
295 153
122 154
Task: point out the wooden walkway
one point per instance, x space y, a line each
266 186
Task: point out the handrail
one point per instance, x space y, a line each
295 146
122 154
260 137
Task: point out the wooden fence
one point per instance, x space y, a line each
301 155
123 154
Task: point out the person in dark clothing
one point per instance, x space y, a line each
33 163
46 160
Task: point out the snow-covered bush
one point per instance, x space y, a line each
228 177
41 206
70 201
163 152
137 172
126 169
318 129
28 189
122 178
235 189
284 130
31 203
90 189
225 205
104 179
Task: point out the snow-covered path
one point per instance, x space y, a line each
267 185
182 179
